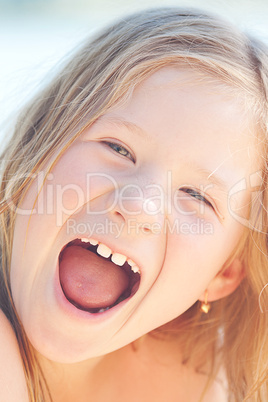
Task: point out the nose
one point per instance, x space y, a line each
138 204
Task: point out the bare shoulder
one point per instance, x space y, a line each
216 393
218 390
12 380
202 389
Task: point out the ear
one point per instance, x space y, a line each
226 281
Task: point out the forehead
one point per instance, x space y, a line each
183 108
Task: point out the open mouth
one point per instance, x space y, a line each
94 282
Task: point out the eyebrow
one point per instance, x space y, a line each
211 178
121 123
204 174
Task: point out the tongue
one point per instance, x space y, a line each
90 281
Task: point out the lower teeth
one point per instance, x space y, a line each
101 310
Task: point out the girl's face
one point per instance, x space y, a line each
152 180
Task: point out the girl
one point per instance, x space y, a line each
133 224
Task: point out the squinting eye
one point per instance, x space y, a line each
120 150
195 194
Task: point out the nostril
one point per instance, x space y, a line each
146 229
117 214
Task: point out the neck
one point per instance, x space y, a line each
145 360
63 379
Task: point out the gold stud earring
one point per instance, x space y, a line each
205 306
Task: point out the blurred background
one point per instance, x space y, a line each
36 34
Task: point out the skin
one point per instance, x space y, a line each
11 369
183 122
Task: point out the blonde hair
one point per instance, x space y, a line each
103 72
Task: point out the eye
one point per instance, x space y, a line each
197 195
120 150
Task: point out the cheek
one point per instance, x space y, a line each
43 212
192 260
79 177
53 198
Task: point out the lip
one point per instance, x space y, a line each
75 313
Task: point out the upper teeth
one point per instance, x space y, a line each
105 251
119 259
